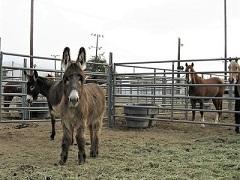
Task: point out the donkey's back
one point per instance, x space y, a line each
92 103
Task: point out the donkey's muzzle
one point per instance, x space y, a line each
73 98
29 99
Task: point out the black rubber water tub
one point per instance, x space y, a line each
140 110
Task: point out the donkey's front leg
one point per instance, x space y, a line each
80 138
53 126
94 142
66 142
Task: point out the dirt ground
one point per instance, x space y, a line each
168 151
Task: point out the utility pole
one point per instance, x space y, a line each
97 48
31 36
225 39
179 67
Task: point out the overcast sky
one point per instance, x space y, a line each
134 30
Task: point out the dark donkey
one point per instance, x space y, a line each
41 85
205 90
234 77
11 87
79 104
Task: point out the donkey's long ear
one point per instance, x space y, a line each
25 73
81 59
35 75
192 64
66 58
186 64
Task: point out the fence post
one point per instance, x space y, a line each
172 93
186 100
113 93
110 91
1 102
154 88
24 91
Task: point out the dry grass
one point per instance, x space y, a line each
169 151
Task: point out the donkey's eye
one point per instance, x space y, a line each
66 79
31 88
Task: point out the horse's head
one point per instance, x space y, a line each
32 86
188 70
234 70
73 78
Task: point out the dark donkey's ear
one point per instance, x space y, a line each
25 73
186 64
192 64
66 58
81 59
35 75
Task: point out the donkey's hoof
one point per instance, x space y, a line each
59 163
52 137
237 131
81 158
80 162
94 154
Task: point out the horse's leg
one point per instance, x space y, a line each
220 108
217 106
193 104
237 121
237 115
80 138
66 142
201 112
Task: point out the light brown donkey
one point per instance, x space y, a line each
80 105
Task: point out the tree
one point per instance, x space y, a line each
97 65
93 67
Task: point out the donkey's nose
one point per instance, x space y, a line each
73 97
73 100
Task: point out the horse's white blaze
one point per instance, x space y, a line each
203 120
73 94
217 118
29 98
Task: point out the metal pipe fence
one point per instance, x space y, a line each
156 83
152 82
17 110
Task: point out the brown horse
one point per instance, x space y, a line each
234 77
79 105
204 91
